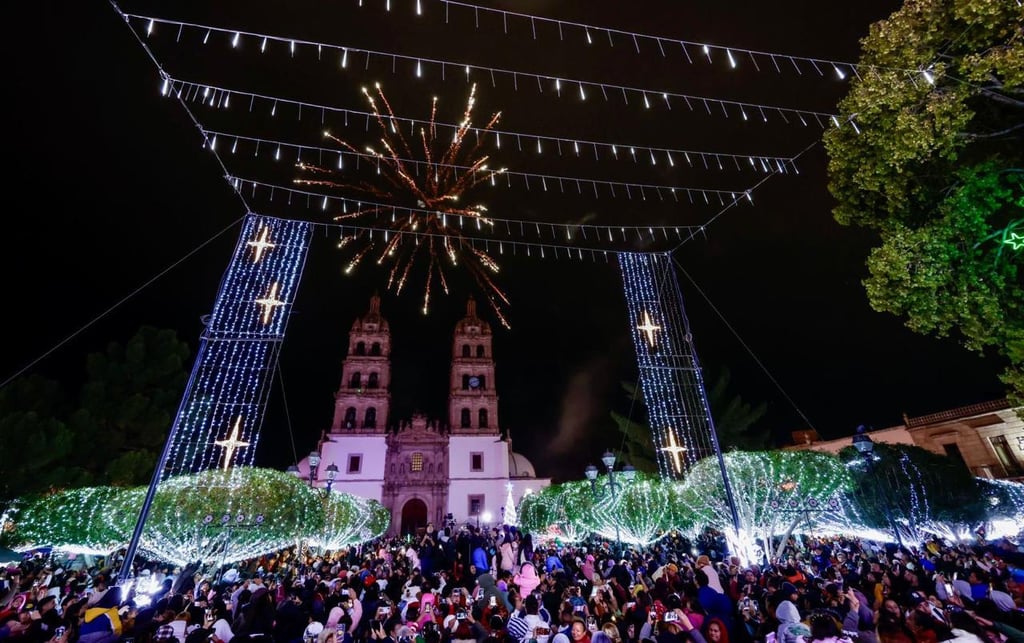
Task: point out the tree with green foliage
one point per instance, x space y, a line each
546 513
127 404
637 513
910 492
733 417
1003 500
110 433
775 493
214 517
38 456
349 520
931 160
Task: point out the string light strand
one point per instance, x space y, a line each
218 97
641 96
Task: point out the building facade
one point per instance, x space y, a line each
987 437
423 470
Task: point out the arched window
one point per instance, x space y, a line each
350 417
465 382
479 350
355 380
465 419
483 382
375 348
370 419
373 381
483 418
465 350
361 348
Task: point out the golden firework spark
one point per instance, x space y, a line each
426 183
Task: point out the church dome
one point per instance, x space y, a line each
519 466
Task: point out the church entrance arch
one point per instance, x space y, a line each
414 516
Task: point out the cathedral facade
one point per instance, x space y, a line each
462 470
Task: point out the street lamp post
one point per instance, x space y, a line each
866 446
628 472
332 473
314 463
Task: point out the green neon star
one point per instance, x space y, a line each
1015 240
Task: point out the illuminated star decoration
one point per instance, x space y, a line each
421 185
231 443
1015 240
674 450
648 328
261 244
269 303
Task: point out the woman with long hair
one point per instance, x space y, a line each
825 628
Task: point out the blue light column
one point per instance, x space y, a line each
221 412
670 374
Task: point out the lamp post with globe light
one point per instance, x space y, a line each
314 464
332 473
864 445
628 473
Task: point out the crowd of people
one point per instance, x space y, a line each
495 585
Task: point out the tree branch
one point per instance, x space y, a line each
975 137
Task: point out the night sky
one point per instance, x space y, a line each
110 187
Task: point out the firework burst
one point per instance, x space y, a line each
420 191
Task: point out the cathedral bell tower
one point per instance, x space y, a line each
362 401
473 400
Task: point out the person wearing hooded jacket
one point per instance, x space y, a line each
490 589
790 629
527 579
